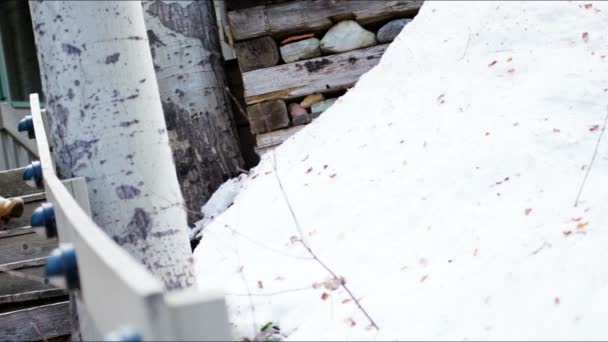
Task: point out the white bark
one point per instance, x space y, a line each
188 62
107 125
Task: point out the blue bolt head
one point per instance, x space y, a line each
61 268
27 125
124 334
43 221
32 175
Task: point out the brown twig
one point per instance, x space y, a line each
307 247
597 145
236 102
23 275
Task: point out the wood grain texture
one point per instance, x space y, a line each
25 246
268 116
257 53
36 324
317 75
276 137
284 19
10 284
12 185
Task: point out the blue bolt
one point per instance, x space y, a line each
33 175
124 334
43 221
61 268
27 125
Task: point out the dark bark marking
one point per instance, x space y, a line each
70 49
127 192
165 233
142 80
140 223
70 94
113 58
153 39
76 83
128 123
71 154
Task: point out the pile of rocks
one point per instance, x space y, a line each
294 67
346 35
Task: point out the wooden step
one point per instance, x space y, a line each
36 324
30 277
23 244
12 185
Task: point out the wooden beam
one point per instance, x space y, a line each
284 19
257 53
35 324
276 137
318 75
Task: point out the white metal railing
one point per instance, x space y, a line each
115 291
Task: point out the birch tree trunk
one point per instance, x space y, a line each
187 58
107 125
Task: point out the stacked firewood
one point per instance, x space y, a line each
297 57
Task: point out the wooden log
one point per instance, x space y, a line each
268 116
318 75
257 53
35 324
32 202
12 185
284 19
275 138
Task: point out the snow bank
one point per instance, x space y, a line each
441 188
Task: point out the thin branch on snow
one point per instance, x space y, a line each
270 294
597 145
307 247
42 338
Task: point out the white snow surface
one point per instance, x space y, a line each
441 187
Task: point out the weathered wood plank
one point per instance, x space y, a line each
31 296
30 279
257 53
28 245
36 324
276 137
318 75
268 116
284 19
12 185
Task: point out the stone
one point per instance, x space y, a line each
301 120
322 106
303 49
296 110
311 99
345 36
390 30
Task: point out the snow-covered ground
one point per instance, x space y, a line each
442 188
